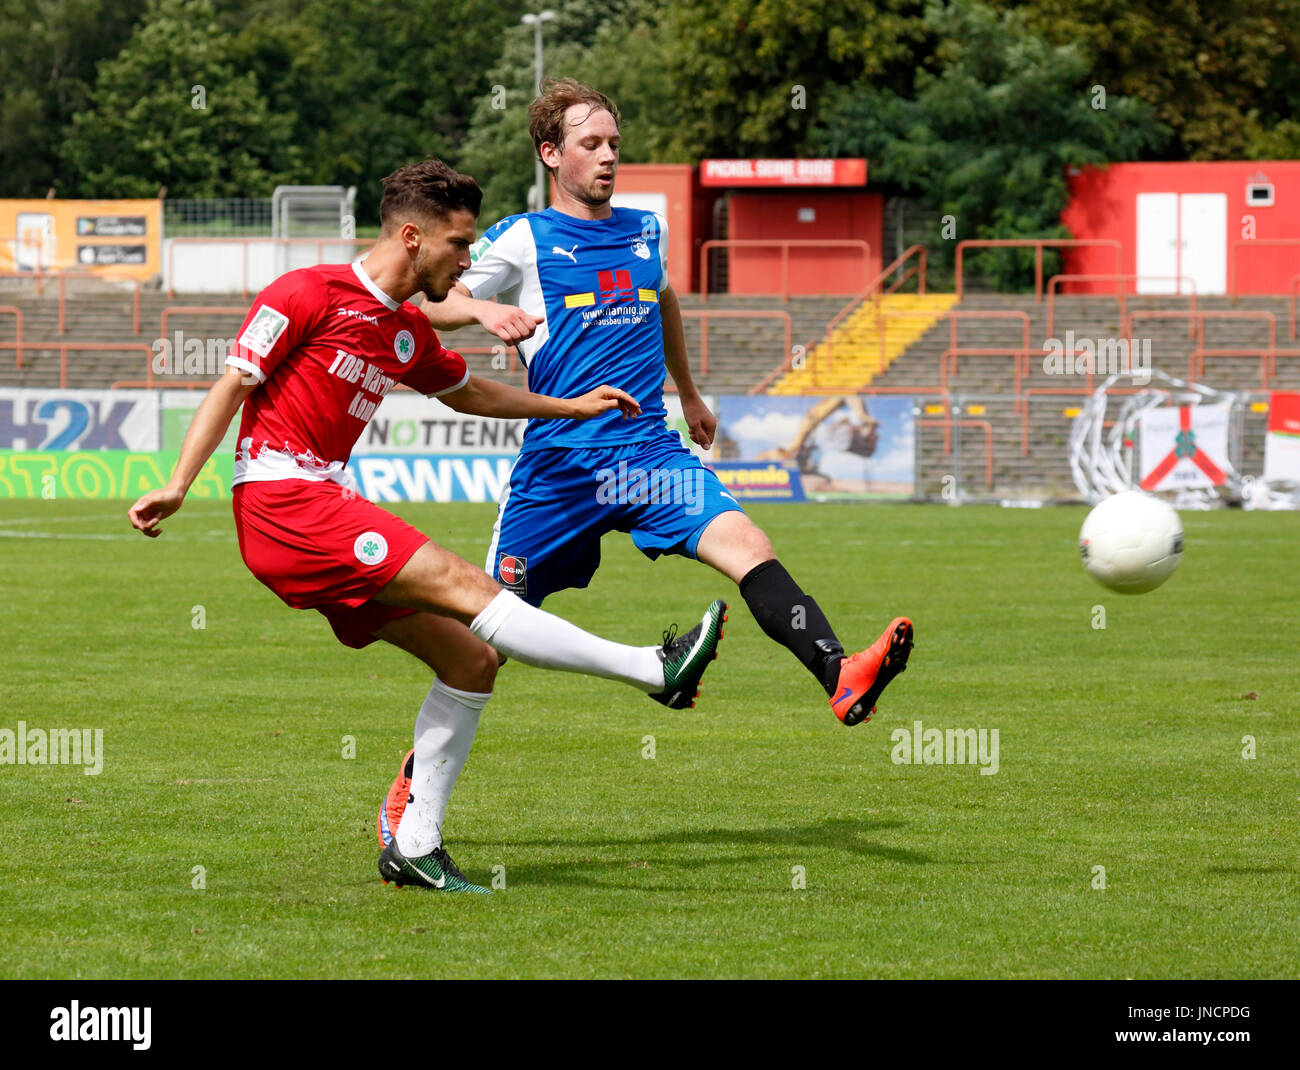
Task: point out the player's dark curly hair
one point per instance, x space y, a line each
427 190
546 112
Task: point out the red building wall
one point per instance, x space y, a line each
836 214
1104 204
676 183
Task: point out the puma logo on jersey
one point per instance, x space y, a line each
566 252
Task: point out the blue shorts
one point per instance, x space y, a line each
558 502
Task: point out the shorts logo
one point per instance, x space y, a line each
404 346
264 330
514 573
370 548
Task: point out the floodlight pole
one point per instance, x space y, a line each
537 195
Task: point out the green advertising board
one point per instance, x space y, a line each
104 474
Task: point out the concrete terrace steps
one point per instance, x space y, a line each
741 351
865 343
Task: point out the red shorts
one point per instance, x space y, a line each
319 546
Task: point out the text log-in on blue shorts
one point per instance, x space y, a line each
559 502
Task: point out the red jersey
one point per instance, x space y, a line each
327 344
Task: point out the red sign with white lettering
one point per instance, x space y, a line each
850 172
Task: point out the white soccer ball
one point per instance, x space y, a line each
1131 542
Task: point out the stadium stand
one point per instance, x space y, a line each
990 415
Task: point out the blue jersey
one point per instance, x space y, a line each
596 284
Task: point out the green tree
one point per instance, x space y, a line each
48 54
172 109
1223 75
370 87
987 136
616 46
751 76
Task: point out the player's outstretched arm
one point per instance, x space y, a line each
458 309
701 422
487 397
206 431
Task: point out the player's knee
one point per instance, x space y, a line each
757 543
483 670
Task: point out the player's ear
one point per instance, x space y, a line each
411 234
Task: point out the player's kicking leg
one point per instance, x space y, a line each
435 580
439 582
735 546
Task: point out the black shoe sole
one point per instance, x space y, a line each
900 648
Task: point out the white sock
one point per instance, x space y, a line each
535 637
443 734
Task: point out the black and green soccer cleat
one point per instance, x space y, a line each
435 870
686 657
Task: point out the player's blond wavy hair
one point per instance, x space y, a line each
558 95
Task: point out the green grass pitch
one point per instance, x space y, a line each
762 839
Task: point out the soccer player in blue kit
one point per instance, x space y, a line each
587 301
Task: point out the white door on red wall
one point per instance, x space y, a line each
1182 234
1204 222
1157 243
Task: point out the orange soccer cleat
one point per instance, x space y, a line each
394 805
865 675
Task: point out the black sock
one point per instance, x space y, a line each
793 619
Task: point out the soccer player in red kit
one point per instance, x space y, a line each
318 351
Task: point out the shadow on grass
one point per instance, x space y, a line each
618 855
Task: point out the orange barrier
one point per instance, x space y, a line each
874 287
63 279
63 348
785 245
1238 244
1045 391
707 314
1019 355
63 276
1196 361
948 423
320 243
1037 244
1122 294
18 343
1198 318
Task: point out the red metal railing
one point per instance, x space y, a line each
705 315
1256 242
63 276
63 347
320 243
1121 294
1037 244
948 424
63 297
18 340
785 245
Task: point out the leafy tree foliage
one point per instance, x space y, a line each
173 109
988 134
